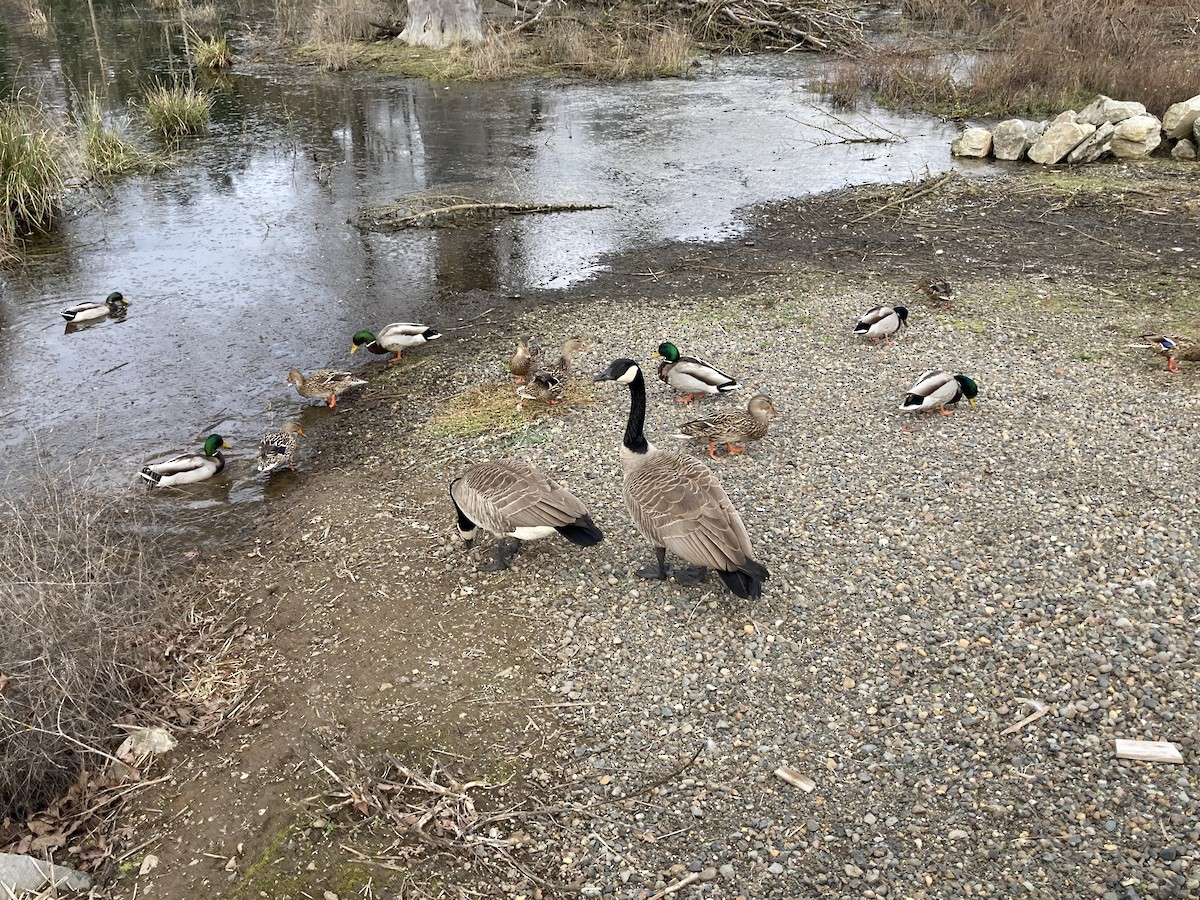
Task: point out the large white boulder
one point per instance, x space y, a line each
1106 109
1136 137
1094 146
1012 137
1059 140
972 142
1180 118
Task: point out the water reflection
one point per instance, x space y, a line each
242 258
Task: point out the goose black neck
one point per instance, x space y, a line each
635 437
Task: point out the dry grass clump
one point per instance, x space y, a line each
203 18
495 408
34 176
78 588
211 54
344 21
105 151
176 110
1042 56
614 46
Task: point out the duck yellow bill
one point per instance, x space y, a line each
353 349
972 402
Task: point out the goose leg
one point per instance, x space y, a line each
689 575
655 570
505 551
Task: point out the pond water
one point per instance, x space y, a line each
241 259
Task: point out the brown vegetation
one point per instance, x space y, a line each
1034 56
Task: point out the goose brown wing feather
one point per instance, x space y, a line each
677 503
507 494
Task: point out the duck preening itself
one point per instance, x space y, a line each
937 390
514 500
679 505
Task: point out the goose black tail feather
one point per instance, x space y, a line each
746 581
583 531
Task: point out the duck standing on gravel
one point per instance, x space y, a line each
278 448
525 360
512 499
881 322
188 468
323 384
394 338
937 390
690 374
937 290
733 428
679 505
114 305
1173 347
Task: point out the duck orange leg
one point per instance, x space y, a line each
689 398
1172 365
736 448
332 400
945 412
712 449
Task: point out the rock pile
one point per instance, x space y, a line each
1120 128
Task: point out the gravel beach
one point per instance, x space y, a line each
934 581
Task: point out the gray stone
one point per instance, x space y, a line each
1067 115
1095 146
1180 118
1183 149
1106 109
19 873
1012 137
1136 137
972 142
1059 140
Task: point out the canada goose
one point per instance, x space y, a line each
679 505
396 338
113 305
1173 347
731 428
512 499
881 322
691 374
188 468
937 390
323 384
277 449
936 289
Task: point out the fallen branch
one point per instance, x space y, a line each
900 201
464 212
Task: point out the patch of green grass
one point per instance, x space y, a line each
34 176
258 876
211 54
177 110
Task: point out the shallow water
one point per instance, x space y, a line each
241 259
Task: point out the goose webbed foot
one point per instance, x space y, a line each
656 569
505 551
689 575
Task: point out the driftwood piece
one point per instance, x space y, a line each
1150 751
1039 709
453 212
793 777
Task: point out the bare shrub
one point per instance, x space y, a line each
344 21
491 58
622 43
78 587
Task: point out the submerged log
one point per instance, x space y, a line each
453 212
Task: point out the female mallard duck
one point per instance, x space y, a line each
679 505
542 387
525 360
394 338
881 322
937 290
323 384
188 468
691 374
114 304
732 428
1173 347
278 448
937 390
512 499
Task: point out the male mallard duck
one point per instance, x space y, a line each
937 390
323 384
881 321
678 504
394 338
512 499
525 360
278 448
1173 347
114 304
542 387
732 428
936 289
188 468
691 374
